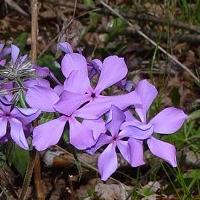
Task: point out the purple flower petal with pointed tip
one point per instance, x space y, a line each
25 115
115 120
168 120
80 136
3 126
107 162
14 53
17 133
72 83
65 47
69 102
96 125
124 149
49 133
136 152
74 62
114 69
163 150
41 98
147 93
102 140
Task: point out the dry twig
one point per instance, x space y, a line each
35 157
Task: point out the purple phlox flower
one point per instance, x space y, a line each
13 121
72 101
114 69
4 51
167 121
115 139
65 47
49 133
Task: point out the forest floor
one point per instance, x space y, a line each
95 29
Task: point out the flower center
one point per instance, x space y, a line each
93 95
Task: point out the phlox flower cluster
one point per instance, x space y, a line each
96 120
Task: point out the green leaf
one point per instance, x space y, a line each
45 117
194 115
193 173
88 3
20 41
49 61
117 25
19 158
175 96
2 159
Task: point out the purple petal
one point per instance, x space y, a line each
114 69
147 93
107 162
49 133
1 47
25 115
136 152
135 132
42 72
17 133
102 104
37 82
168 121
74 62
3 126
129 116
124 149
163 150
96 125
5 107
70 102
59 89
42 98
136 123
77 82
97 63
80 136
14 53
2 62
102 140
65 47
115 120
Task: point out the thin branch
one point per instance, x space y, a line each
34 30
136 28
163 21
33 155
37 178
